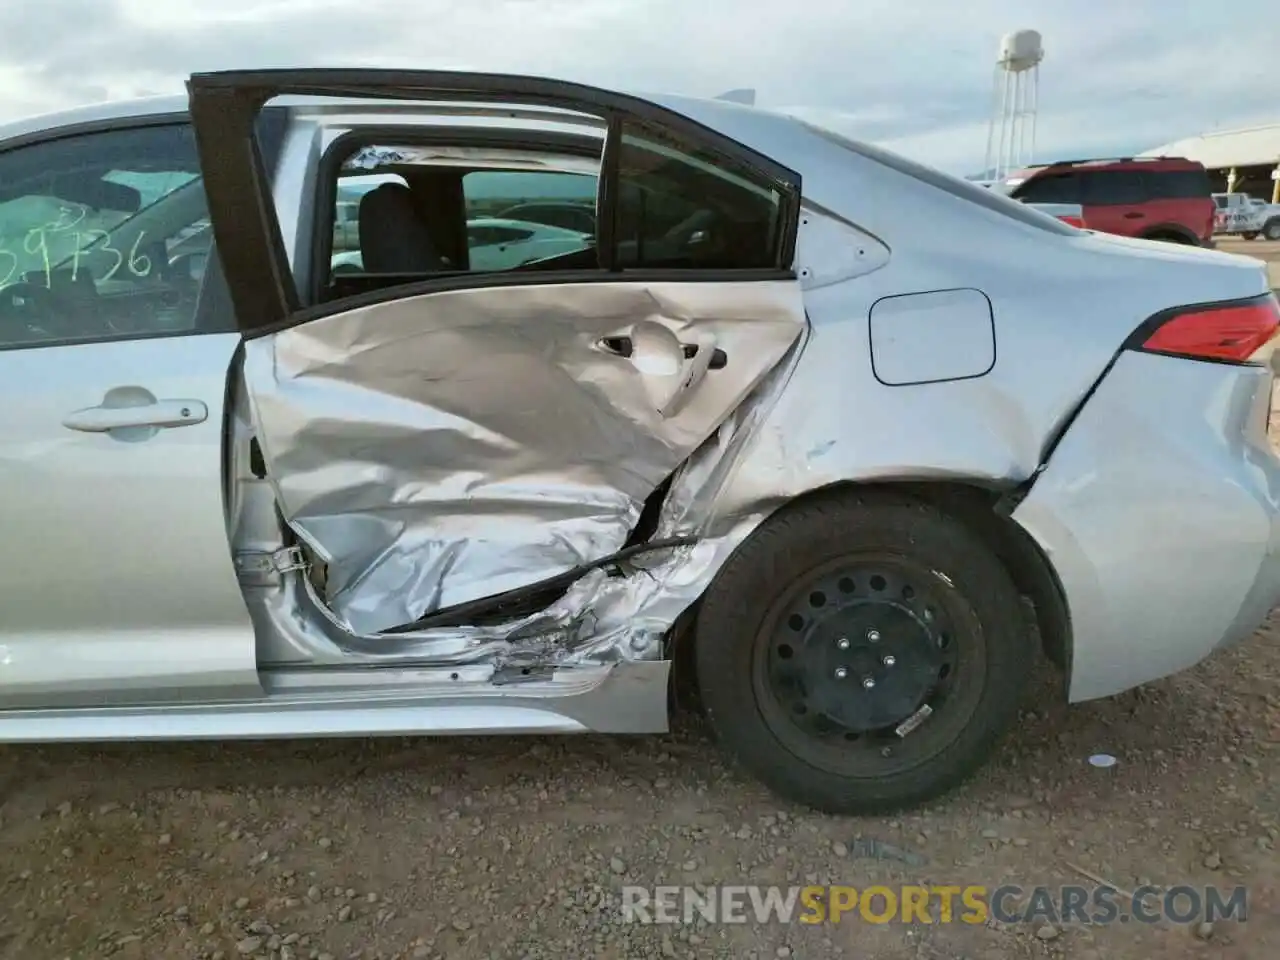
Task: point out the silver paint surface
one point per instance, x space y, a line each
116 581
453 446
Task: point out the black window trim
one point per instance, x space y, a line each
173 118
224 105
212 316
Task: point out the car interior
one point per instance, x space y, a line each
106 263
674 210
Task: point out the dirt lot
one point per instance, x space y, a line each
519 848
1268 250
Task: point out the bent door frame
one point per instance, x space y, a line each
224 106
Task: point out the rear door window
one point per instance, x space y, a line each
1178 185
1114 187
495 204
681 206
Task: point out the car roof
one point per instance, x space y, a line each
138 108
1142 164
762 128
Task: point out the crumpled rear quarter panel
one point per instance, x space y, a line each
1158 511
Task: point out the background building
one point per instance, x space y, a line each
1247 160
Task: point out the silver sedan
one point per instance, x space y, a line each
835 442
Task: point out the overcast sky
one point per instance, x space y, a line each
913 74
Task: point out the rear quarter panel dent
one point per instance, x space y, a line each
1156 514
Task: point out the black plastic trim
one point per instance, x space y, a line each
172 118
238 186
607 205
460 614
224 105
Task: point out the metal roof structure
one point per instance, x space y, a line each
1247 147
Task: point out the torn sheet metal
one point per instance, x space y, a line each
456 445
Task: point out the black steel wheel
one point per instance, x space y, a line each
862 652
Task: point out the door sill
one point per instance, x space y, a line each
625 697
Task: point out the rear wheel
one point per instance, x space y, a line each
861 653
1272 229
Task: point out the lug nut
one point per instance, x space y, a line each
889 661
873 636
843 643
868 683
841 673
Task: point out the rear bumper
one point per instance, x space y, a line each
1160 512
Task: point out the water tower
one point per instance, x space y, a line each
1011 137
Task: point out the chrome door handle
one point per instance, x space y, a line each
157 414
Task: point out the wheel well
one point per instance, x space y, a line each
981 510
1171 234
977 507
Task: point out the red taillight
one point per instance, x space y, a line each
1232 332
1074 221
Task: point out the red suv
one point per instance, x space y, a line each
1156 198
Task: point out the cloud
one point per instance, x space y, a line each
916 75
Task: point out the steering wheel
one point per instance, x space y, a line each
28 312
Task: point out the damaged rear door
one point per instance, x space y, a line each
442 439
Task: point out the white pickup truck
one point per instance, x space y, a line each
1242 215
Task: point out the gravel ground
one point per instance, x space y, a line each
518 848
